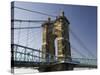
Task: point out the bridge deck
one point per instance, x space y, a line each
46 64
19 59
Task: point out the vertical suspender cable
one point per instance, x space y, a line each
19 32
27 39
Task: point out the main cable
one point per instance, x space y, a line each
34 11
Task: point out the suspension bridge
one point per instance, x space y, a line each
24 55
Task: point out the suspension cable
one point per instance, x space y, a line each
27 36
26 27
82 44
19 32
34 11
76 49
17 20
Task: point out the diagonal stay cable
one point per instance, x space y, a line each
76 49
26 27
33 11
82 44
18 20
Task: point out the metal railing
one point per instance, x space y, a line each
26 54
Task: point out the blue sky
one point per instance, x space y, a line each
83 22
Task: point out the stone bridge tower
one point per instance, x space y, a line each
59 30
48 46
